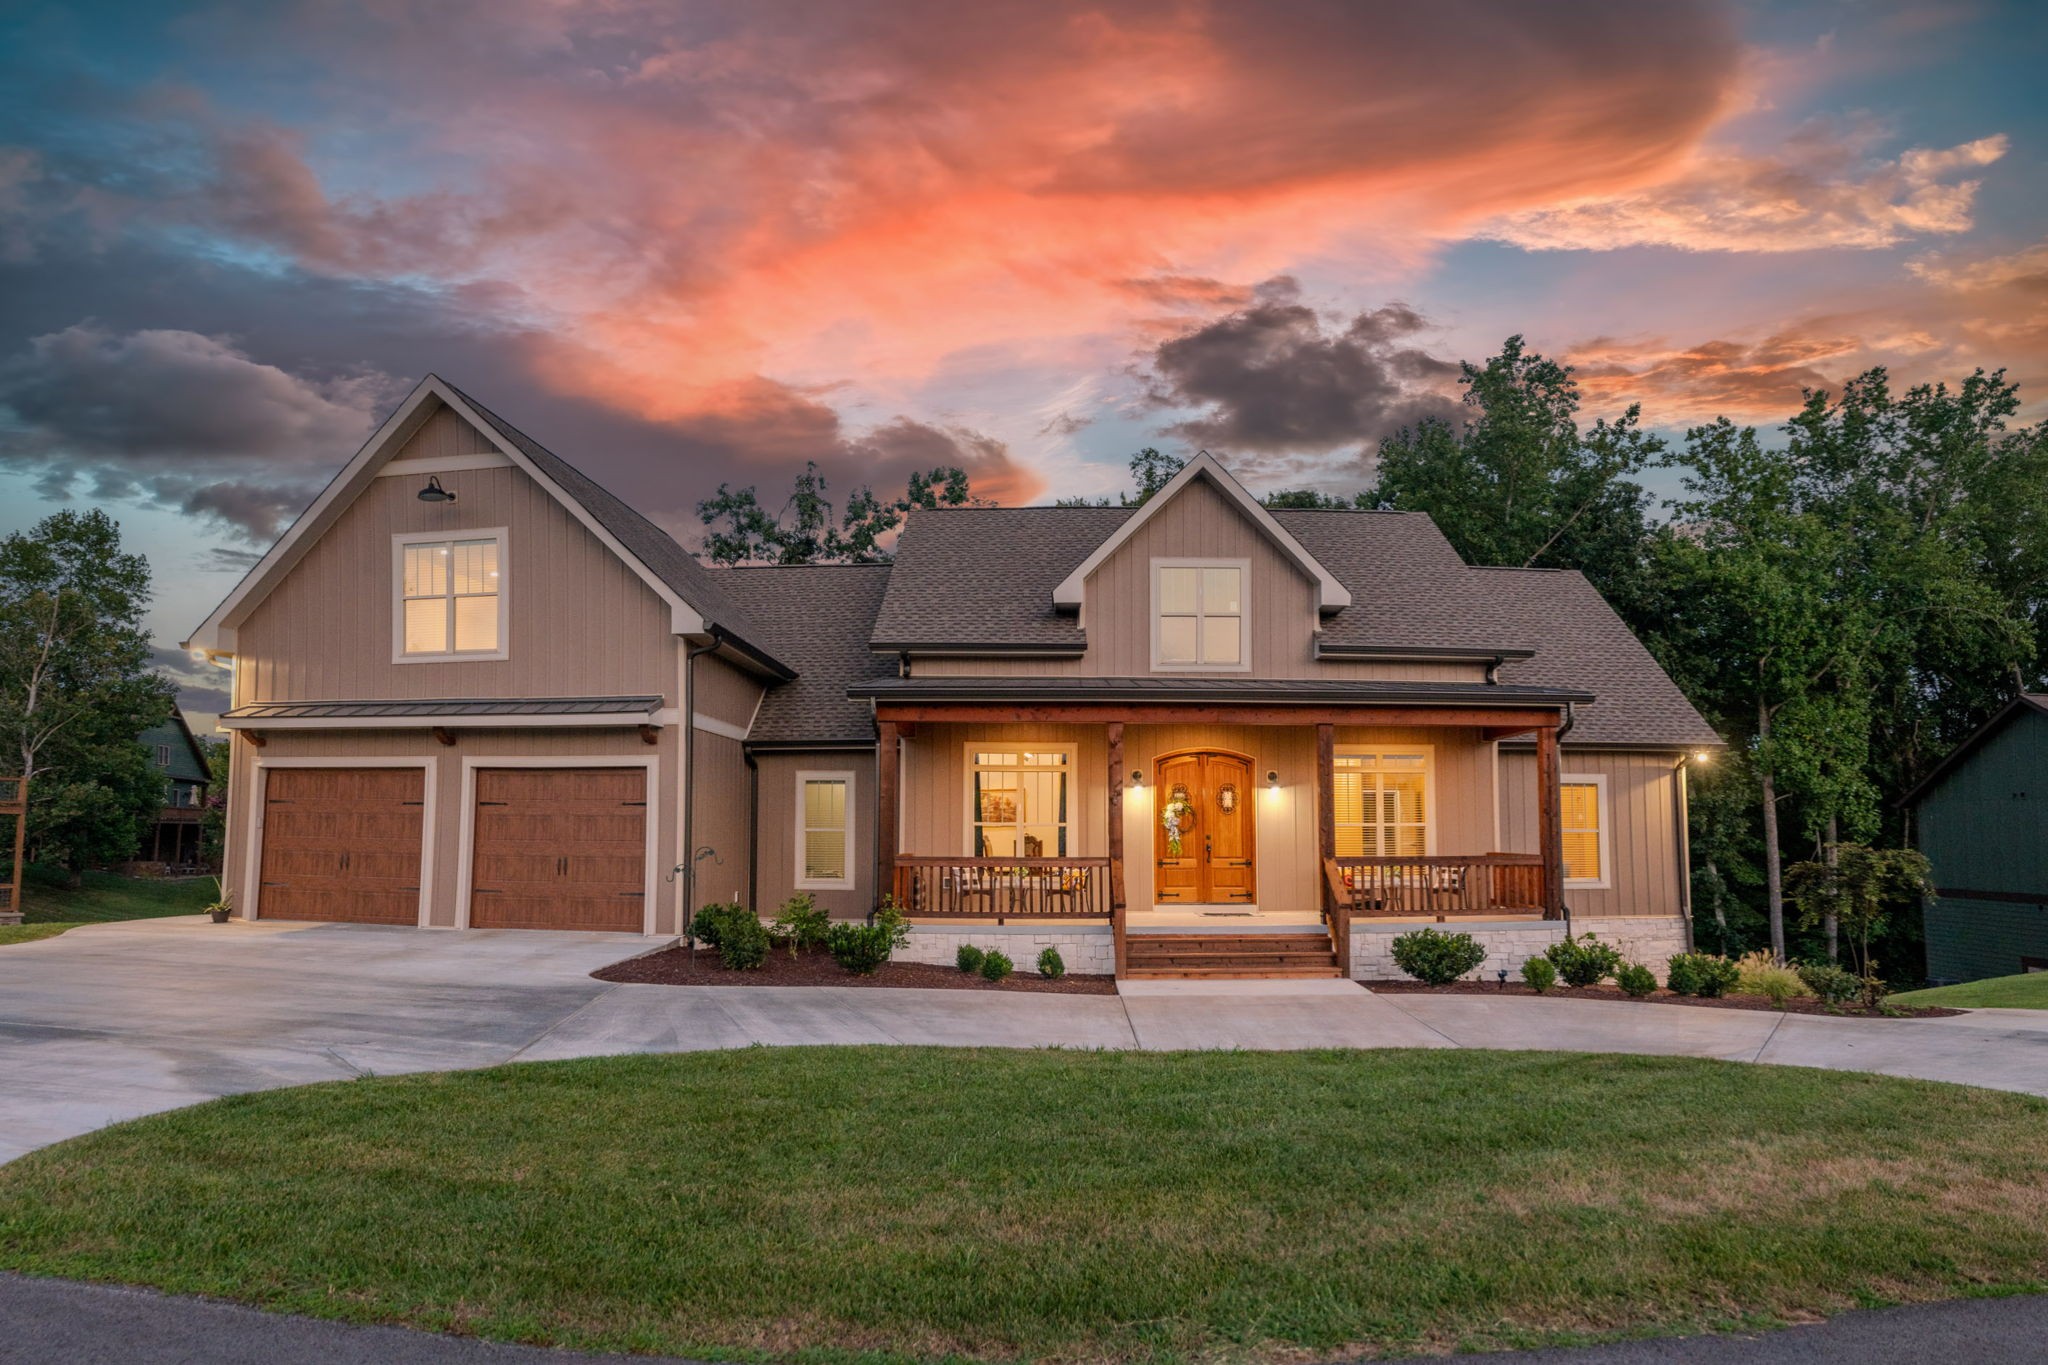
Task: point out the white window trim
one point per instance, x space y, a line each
808 883
967 769
1430 819
1244 616
1602 812
466 845
402 539
252 872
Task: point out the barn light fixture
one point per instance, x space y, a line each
433 492
1137 777
1703 757
1272 778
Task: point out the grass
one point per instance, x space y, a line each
2028 991
50 905
889 1204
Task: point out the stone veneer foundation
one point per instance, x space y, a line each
1648 940
1087 951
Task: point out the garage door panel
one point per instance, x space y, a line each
560 848
342 844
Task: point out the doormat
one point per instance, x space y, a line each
1227 914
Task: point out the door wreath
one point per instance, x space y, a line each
1178 816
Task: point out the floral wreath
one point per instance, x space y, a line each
1176 816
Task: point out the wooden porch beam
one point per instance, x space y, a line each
1117 777
1326 807
885 810
1514 720
1550 822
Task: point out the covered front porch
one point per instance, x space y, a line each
1213 818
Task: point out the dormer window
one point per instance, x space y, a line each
1199 614
449 596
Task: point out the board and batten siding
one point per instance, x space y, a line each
1984 827
1642 828
775 864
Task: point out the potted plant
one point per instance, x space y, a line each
222 905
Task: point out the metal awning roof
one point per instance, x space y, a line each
472 712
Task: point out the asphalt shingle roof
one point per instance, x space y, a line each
818 620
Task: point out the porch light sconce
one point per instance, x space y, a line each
1703 757
433 492
1272 779
1137 777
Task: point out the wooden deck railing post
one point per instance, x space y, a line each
885 810
1550 821
1115 733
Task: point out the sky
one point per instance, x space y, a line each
687 243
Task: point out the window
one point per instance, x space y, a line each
1019 802
163 755
1198 614
1583 803
824 831
1382 802
451 598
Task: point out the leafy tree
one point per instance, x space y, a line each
1518 482
75 685
1152 470
213 820
808 529
1310 500
1855 886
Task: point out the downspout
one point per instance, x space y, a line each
753 826
1681 814
686 867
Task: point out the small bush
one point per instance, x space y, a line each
1636 981
995 966
1831 984
968 958
742 942
1538 974
1583 961
888 917
860 948
1701 974
707 926
1050 964
1758 973
1437 959
801 924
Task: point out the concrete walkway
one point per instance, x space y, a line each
113 1021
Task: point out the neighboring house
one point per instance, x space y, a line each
174 835
1982 819
476 689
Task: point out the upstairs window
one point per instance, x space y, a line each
163 755
1198 614
1382 802
451 597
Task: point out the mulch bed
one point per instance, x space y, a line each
1662 997
672 967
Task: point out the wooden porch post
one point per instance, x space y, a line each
1326 808
885 809
1550 821
1115 732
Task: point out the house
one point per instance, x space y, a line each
174 835
472 688
1981 817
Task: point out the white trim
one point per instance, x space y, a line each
443 464
260 780
1430 819
1244 616
465 869
516 720
712 725
1603 813
804 883
1073 824
400 540
1330 594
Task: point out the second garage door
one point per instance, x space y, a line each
560 848
342 844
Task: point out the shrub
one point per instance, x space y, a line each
1758 973
1437 959
801 924
1701 974
968 958
995 966
860 948
742 941
1831 984
888 917
1051 964
1584 961
707 926
1636 981
1539 974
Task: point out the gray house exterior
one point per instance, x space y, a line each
1982 820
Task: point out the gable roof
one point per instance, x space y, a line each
696 605
175 732
2024 703
1331 595
818 619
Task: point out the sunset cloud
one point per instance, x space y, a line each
1761 381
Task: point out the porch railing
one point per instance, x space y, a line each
1471 885
1003 888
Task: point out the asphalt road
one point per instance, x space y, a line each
58 1322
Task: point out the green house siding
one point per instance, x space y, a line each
1984 826
184 764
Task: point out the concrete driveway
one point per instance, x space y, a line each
113 1021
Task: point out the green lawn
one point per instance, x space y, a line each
49 905
888 1204
2028 991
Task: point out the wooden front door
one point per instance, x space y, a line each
560 848
1211 862
342 844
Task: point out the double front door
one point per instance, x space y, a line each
1205 828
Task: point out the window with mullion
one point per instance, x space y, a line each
450 597
1019 804
1201 615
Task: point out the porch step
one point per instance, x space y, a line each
1226 956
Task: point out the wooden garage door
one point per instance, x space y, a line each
560 848
342 844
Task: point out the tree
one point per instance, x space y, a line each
213 820
1519 483
1854 885
1152 470
809 530
1310 500
75 685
